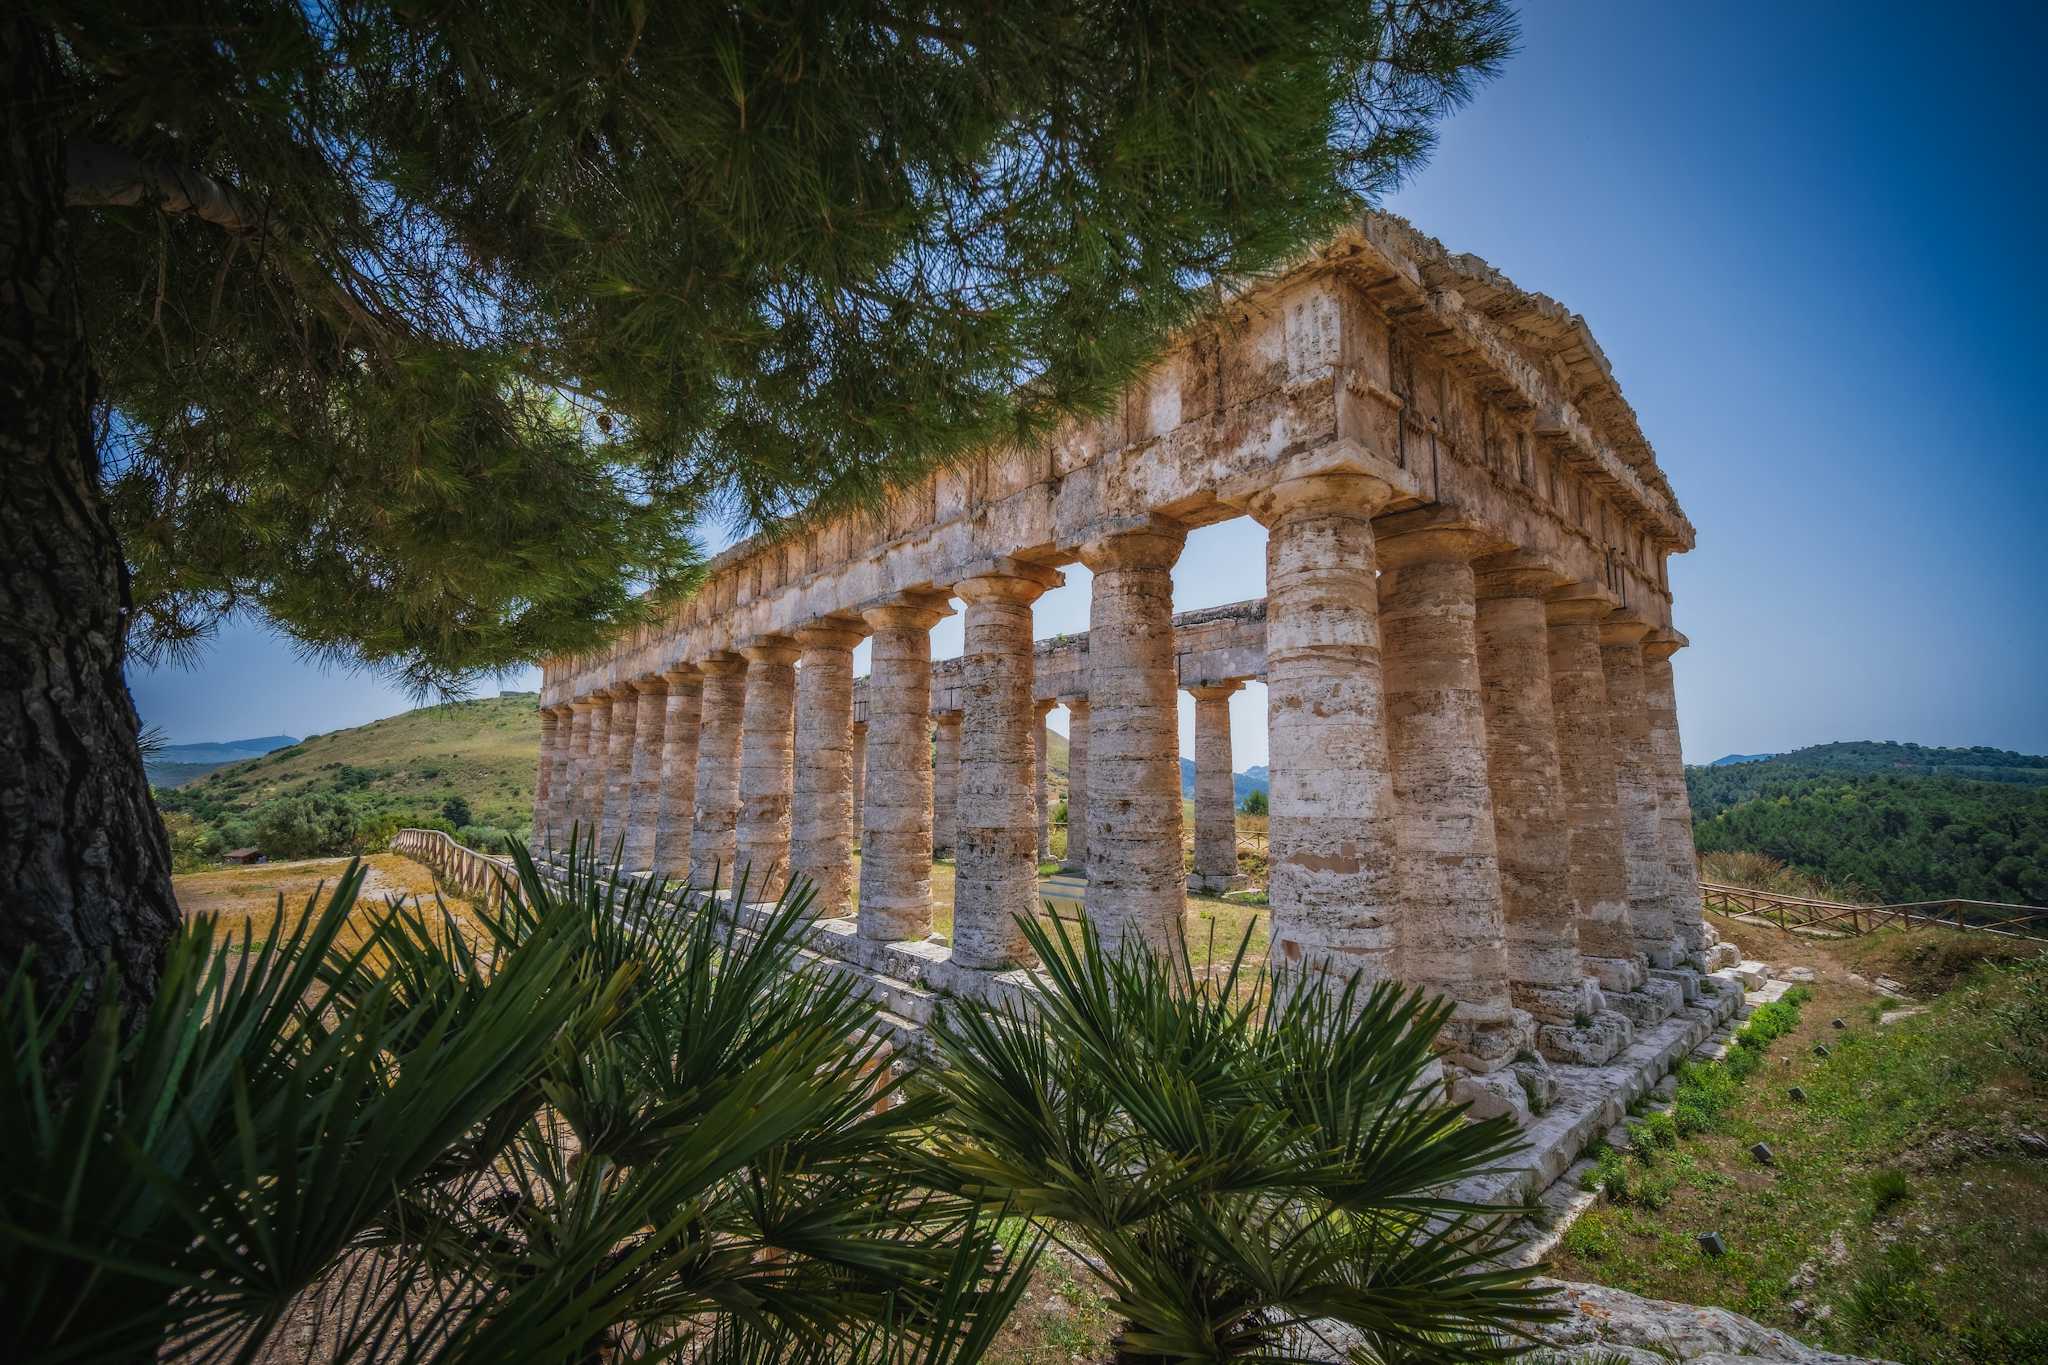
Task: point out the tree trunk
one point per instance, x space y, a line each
84 864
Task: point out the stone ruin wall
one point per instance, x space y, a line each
1466 638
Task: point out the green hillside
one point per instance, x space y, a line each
1893 822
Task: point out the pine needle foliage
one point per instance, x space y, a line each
1239 1166
595 1122
430 331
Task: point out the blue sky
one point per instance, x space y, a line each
1809 239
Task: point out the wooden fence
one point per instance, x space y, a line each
467 872
1797 912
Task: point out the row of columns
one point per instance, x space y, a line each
1476 785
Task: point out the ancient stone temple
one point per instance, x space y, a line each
1465 636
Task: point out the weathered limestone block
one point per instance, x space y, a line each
1041 739
1585 761
1544 974
1215 790
1648 870
650 729
562 788
768 729
580 808
995 817
1335 888
618 787
678 773
945 781
896 817
1076 859
1674 803
714 825
1453 937
1137 883
821 823
544 773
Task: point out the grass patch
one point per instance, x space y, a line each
1903 1217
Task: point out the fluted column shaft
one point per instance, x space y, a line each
996 836
1335 886
1041 738
860 777
1544 975
618 787
1674 803
597 770
1137 882
1215 790
1585 761
714 826
1646 869
1076 858
1454 937
822 819
561 807
896 812
678 773
544 772
643 815
945 781
766 764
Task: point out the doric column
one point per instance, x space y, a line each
561 808
714 826
1215 790
643 816
1454 935
1674 803
544 774
860 775
1585 763
618 786
896 813
678 773
1544 975
821 823
995 818
1137 883
766 768
1334 888
945 780
1647 870
596 771
1076 859
1041 740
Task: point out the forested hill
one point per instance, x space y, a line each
1897 822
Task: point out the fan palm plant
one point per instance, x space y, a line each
594 1120
1238 1165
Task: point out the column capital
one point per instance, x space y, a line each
1662 643
946 715
589 702
650 685
721 665
1148 542
769 649
1517 573
1623 627
908 611
548 719
1334 491
682 676
1006 580
1440 534
1214 691
831 632
1043 708
1584 600
1074 701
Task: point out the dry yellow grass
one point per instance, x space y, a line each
246 898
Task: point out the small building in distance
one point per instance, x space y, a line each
244 856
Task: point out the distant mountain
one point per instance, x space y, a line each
1727 759
174 765
1252 779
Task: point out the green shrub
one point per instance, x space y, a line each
1255 803
1887 1187
2022 1020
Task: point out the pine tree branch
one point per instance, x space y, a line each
99 176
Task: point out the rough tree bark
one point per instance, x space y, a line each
84 863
